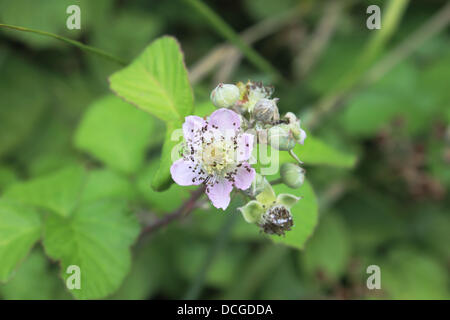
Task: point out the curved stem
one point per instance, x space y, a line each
183 210
293 155
75 43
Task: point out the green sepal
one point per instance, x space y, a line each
252 211
267 196
288 200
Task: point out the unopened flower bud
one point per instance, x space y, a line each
225 95
266 111
292 175
277 220
294 124
281 138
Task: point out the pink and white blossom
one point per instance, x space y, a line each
216 154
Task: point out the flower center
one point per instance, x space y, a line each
217 157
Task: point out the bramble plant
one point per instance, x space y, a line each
116 183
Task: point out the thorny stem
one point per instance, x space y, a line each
182 211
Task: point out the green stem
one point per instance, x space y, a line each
229 34
276 181
394 12
75 43
293 155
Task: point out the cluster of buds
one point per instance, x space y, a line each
255 101
218 148
259 110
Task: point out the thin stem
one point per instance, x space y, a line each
182 211
293 155
276 181
78 44
221 54
228 33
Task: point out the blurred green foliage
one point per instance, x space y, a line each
84 160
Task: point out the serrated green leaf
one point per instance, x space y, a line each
106 184
35 279
304 214
20 228
116 133
96 238
58 191
157 82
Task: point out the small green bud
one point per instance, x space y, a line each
277 220
294 124
281 138
292 175
266 111
225 95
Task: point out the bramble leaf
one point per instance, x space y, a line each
57 192
96 238
116 133
157 82
20 228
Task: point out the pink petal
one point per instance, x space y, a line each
245 147
191 125
244 176
219 194
183 173
225 119
302 136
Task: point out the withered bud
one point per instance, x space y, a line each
277 220
266 111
